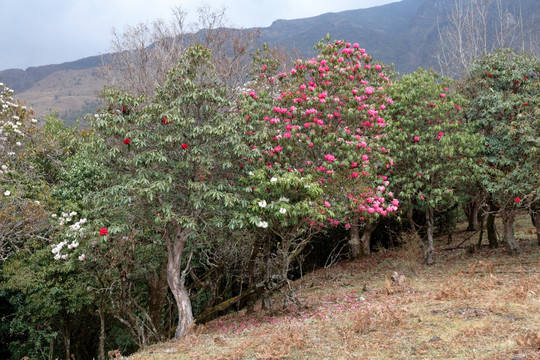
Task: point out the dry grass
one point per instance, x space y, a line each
484 305
65 92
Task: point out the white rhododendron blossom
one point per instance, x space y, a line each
262 224
72 232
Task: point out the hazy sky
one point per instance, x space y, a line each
43 32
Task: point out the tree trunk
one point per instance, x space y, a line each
509 239
483 219
67 343
51 348
101 332
471 210
490 226
176 281
354 241
157 289
429 249
535 217
366 238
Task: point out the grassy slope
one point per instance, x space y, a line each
65 92
480 306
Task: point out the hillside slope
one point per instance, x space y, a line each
484 305
70 93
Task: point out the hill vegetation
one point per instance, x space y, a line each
328 207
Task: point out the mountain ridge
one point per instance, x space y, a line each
403 33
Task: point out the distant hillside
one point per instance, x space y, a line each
403 33
383 31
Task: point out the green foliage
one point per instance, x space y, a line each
435 151
504 90
170 156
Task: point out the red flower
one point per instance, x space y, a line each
103 232
526 104
127 141
184 146
165 121
517 199
124 109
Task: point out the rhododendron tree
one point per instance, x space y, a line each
284 210
324 118
172 179
503 88
434 150
22 189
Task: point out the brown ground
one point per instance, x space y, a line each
484 305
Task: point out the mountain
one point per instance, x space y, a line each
403 33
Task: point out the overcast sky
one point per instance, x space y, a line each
43 32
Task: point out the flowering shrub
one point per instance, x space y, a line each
174 182
434 149
72 232
503 88
21 208
324 118
16 126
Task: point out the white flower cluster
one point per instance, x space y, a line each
57 250
73 232
12 131
262 224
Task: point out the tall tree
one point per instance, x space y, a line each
503 88
324 118
22 188
171 156
433 148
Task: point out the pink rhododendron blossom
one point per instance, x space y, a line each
369 90
327 204
329 157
